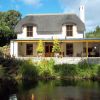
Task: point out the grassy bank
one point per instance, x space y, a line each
45 69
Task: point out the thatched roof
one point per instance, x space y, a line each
50 22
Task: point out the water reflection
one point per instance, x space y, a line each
57 90
13 97
7 87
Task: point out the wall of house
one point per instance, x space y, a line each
22 50
61 35
77 49
19 49
14 49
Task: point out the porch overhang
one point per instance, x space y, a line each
84 40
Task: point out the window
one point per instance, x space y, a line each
29 49
69 49
29 31
69 30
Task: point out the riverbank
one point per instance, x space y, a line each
47 69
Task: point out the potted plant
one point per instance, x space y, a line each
56 48
40 48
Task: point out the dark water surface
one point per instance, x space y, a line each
51 90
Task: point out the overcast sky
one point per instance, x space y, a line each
92 8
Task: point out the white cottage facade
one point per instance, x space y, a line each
67 28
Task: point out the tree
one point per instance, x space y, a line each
11 18
94 34
40 47
56 46
8 21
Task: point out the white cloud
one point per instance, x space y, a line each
69 6
93 13
92 10
34 3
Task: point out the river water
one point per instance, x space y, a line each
52 90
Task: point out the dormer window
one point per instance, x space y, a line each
69 30
29 31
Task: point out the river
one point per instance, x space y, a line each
51 90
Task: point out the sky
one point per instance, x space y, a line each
92 8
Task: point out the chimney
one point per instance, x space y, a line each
82 13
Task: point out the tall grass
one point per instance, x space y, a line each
45 68
66 70
98 71
27 69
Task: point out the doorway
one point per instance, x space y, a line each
48 49
69 49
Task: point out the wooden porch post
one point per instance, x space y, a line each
86 49
61 46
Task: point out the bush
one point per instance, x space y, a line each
98 72
5 50
87 70
56 46
66 70
40 47
45 68
27 70
83 64
2 72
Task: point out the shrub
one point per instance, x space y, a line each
27 70
5 50
40 47
2 72
66 70
84 64
98 71
56 46
45 68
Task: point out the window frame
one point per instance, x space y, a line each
30 31
69 30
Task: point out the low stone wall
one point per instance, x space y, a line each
64 60
94 60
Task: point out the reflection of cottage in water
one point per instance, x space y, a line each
13 97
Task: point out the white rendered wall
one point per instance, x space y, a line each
61 35
14 49
11 48
77 49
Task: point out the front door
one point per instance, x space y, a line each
48 49
69 49
29 49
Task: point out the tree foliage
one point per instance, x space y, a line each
8 21
56 46
94 34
